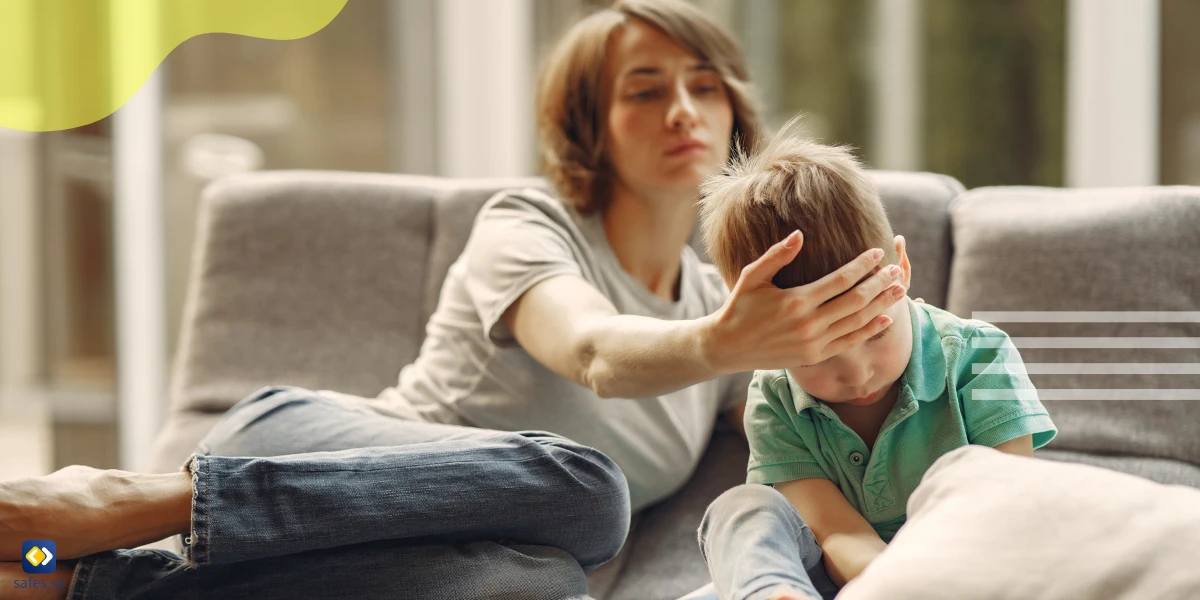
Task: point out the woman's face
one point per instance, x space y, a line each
670 118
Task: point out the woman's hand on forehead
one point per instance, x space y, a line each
764 327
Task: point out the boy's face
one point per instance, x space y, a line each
864 374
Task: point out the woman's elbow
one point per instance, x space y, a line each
592 371
597 376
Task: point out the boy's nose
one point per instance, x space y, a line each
858 377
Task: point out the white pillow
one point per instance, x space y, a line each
985 525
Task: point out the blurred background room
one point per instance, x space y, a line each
96 223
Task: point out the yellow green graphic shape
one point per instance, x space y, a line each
67 63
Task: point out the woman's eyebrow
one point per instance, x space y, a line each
650 71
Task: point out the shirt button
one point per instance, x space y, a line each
856 458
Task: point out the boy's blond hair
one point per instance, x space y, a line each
793 183
573 95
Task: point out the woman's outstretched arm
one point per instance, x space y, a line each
572 329
86 510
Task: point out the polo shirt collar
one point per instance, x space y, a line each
924 378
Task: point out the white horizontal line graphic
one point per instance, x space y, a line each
1087 316
1177 342
1085 394
1100 368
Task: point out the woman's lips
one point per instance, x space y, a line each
686 147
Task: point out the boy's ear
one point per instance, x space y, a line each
905 266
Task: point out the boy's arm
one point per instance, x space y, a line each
1022 446
846 538
1000 405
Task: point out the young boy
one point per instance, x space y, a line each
841 444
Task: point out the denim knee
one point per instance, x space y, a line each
592 480
223 437
748 497
738 503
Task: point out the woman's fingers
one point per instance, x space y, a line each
763 270
857 336
844 278
863 294
859 320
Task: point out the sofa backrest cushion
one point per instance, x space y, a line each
917 206
1072 252
326 280
303 278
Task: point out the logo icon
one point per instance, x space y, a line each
38 556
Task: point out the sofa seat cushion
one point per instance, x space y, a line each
661 559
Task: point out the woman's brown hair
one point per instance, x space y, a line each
572 97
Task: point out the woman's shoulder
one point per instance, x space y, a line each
530 202
532 215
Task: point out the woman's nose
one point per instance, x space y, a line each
683 109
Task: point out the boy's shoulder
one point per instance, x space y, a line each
945 346
777 389
949 325
772 383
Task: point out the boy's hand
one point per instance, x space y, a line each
763 327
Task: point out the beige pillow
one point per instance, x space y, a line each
986 525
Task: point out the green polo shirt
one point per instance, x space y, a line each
960 387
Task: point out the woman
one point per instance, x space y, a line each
587 316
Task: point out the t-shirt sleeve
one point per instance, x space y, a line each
779 449
515 244
999 402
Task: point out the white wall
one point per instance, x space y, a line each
1113 64
20 315
898 82
485 88
140 268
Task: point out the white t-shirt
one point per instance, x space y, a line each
472 372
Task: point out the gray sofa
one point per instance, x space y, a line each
325 280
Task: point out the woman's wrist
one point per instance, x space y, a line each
712 346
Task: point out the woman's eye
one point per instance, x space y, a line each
705 89
644 94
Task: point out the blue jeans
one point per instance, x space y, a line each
301 496
755 544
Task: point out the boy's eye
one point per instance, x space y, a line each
879 335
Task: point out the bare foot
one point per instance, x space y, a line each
85 510
17 584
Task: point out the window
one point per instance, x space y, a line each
993 90
1180 137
